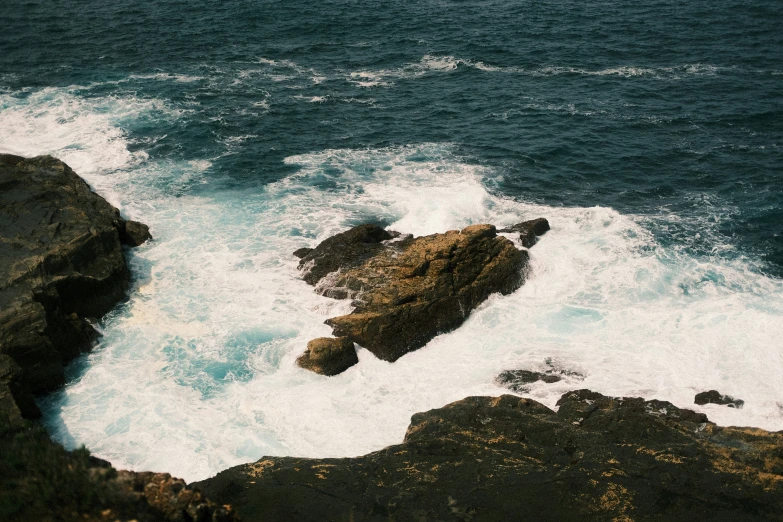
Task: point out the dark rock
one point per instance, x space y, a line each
516 380
407 292
133 233
715 397
16 399
328 356
41 481
301 252
528 230
504 458
344 250
61 262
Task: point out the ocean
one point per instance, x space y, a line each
649 134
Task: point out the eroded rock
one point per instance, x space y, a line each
408 291
715 397
328 356
528 230
61 263
501 458
517 380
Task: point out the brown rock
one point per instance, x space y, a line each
508 458
528 230
407 292
328 356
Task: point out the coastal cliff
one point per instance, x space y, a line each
62 265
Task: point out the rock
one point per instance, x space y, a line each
302 252
516 380
715 397
528 230
133 233
344 250
39 480
328 356
501 458
61 262
407 292
16 399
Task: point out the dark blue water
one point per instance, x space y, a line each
647 108
650 134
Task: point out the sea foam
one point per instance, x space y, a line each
196 371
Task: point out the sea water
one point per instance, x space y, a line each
649 136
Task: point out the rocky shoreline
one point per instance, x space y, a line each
62 265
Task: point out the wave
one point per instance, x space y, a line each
433 64
196 371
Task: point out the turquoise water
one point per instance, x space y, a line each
650 136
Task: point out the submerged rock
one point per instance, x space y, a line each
328 356
528 230
61 263
517 380
501 458
715 397
408 291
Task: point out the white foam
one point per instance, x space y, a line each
440 64
196 372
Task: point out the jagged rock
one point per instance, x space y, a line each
61 262
301 252
408 291
133 233
41 481
715 397
510 458
528 230
516 380
344 250
328 356
16 399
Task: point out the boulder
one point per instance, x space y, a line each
61 263
715 397
512 458
328 356
528 230
408 291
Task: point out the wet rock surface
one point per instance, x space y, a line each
517 380
715 397
407 291
528 230
328 356
61 262
511 458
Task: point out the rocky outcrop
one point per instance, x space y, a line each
407 290
716 397
528 230
40 481
328 356
510 458
61 263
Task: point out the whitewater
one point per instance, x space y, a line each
195 372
